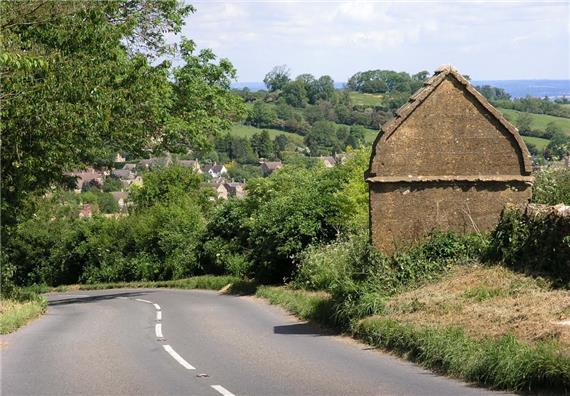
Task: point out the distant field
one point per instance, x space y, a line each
371 135
248 131
538 142
539 121
365 99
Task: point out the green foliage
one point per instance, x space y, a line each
277 78
112 184
168 184
80 82
538 244
551 187
360 279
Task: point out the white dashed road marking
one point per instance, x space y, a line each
178 358
222 390
158 330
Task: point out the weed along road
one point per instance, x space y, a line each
175 342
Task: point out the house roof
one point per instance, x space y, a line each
188 163
123 173
429 86
272 165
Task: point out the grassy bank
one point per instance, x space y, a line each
14 314
486 325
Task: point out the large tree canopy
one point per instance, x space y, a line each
80 80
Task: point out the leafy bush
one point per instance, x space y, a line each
552 187
360 279
534 243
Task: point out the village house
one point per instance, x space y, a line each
268 167
220 189
123 174
192 164
119 158
235 189
447 161
215 170
150 163
131 167
121 198
86 178
328 162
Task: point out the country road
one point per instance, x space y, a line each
175 342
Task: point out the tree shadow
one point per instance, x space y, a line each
95 298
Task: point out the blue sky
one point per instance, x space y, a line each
485 39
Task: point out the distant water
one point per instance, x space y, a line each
537 88
516 88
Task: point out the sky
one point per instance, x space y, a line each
488 40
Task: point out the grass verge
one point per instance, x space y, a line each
14 314
499 361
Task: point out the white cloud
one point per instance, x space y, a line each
489 39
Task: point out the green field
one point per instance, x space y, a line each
538 142
365 99
539 121
248 131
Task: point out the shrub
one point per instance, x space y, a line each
551 187
535 243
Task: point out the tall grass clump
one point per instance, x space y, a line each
502 363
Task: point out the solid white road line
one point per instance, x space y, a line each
158 330
222 390
159 315
178 358
157 307
141 300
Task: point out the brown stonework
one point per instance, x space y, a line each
447 161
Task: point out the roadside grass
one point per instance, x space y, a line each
488 302
487 325
539 121
14 314
306 305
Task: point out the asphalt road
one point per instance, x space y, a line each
115 342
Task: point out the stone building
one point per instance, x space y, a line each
447 161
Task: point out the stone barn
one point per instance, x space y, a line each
447 161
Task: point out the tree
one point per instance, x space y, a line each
552 129
281 142
262 115
262 144
322 140
277 78
241 151
558 147
524 122
294 93
80 82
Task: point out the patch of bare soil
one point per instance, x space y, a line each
489 301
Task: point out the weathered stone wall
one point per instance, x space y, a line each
402 212
450 133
